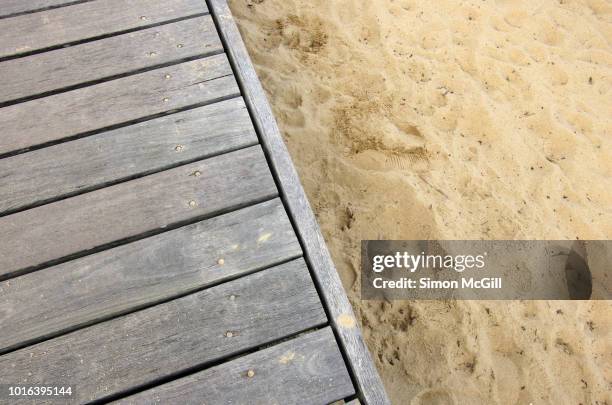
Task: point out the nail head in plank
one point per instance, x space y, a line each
370 386
160 341
31 32
306 370
92 61
147 271
68 227
94 161
115 102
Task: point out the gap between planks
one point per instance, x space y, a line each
107 59
306 369
14 8
98 161
66 26
144 273
116 103
142 348
78 226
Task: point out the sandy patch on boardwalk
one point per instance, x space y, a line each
453 120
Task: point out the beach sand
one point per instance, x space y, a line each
453 120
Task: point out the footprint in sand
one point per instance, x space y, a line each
577 273
434 397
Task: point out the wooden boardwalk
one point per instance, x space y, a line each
156 245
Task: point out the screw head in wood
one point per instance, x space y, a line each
251 373
143 17
178 148
229 334
167 76
192 203
165 99
179 45
221 262
197 173
232 297
151 53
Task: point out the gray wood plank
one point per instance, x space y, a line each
109 57
306 370
10 7
73 226
157 342
370 387
55 27
47 302
84 164
115 102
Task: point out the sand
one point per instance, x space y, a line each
453 120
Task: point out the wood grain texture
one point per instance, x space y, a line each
306 370
74 167
370 387
163 340
10 7
54 231
115 102
78 22
92 61
83 291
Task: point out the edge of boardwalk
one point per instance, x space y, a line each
367 381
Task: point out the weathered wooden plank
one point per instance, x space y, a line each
86 290
52 232
144 346
64 25
109 57
10 7
74 167
115 102
306 370
371 390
